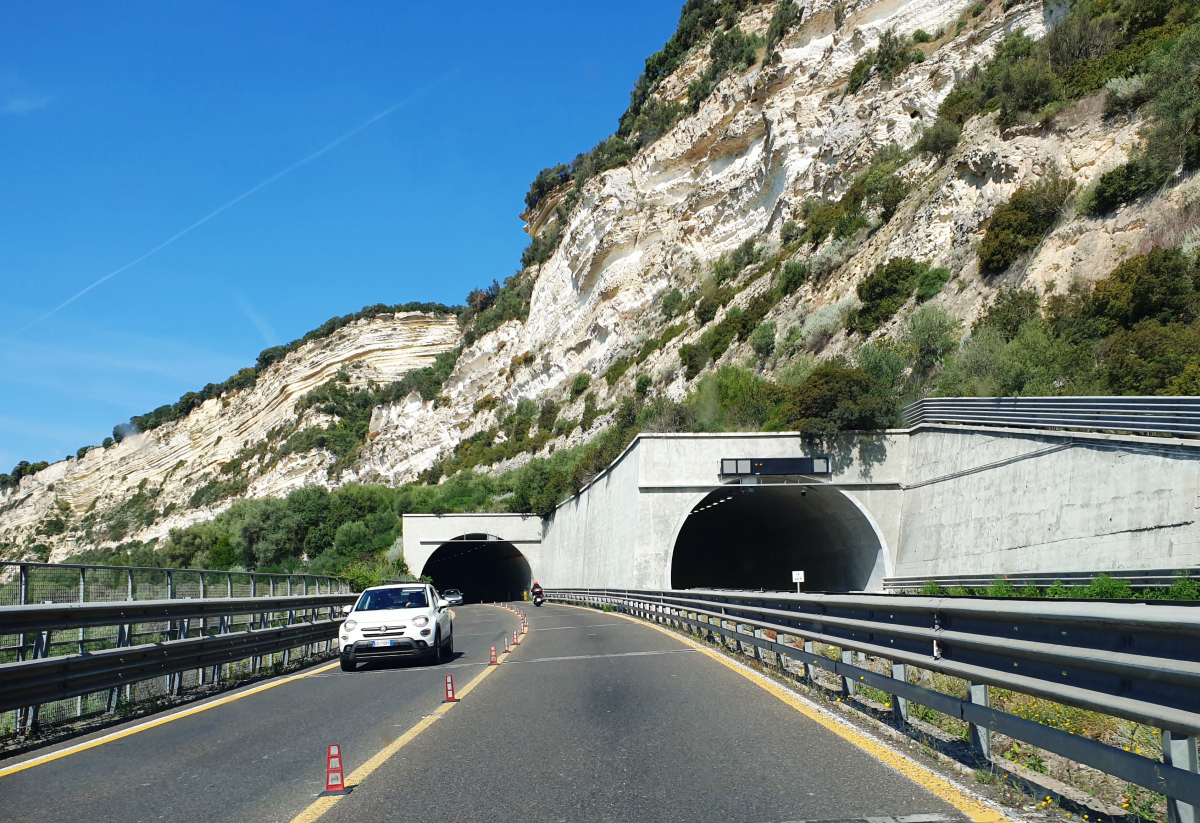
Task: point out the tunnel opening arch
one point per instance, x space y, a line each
753 537
484 567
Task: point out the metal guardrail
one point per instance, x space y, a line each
1150 415
1137 578
1140 662
212 649
23 582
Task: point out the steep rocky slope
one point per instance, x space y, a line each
140 488
739 168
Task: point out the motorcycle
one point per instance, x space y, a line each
539 599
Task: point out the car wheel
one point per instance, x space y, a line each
348 663
438 654
450 643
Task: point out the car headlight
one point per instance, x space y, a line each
421 621
350 625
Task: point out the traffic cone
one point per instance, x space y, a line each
450 698
494 661
516 640
335 782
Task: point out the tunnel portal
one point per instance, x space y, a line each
483 567
753 537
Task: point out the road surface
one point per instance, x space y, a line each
592 718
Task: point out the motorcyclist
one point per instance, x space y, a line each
536 589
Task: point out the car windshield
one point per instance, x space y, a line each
392 599
453 591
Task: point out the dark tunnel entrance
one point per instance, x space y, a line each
753 537
484 568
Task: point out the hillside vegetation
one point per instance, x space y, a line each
760 337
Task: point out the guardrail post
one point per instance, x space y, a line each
82 597
229 584
170 585
900 704
849 687
1179 750
123 633
41 648
129 593
981 736
811 648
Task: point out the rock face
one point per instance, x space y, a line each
763 142
179 457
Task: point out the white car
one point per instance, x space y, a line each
454 596
405 619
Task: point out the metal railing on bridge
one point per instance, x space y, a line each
83 640
1142 415
1140 662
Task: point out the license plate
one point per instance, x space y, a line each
381 642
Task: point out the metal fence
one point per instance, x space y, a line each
1140 662
64 625
23 582
1144 415
1137 578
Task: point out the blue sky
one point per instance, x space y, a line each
122 124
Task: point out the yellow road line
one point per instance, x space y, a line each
323 804
932 782
141 727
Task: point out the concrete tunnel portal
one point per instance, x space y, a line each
754 536
483 567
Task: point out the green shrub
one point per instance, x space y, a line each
884 291
617 370
643 384
717 339
1126 183
694 357
1011 309
672 302
1019 225
861 72
941 138
789 233
590 411
929 335
921 36
930 283
580 384
833 399
730 51
762 340
792 276
728 266
547 415
1160 286
787 14
894 53
656 118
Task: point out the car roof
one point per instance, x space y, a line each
409 586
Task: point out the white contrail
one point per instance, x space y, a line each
369 121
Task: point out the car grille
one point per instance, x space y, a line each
383 631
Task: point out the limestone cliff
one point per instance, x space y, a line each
765 140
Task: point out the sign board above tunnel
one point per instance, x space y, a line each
774 466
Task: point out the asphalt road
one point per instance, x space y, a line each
592 718
261 758
597 718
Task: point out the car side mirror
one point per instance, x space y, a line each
347 609
443 604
